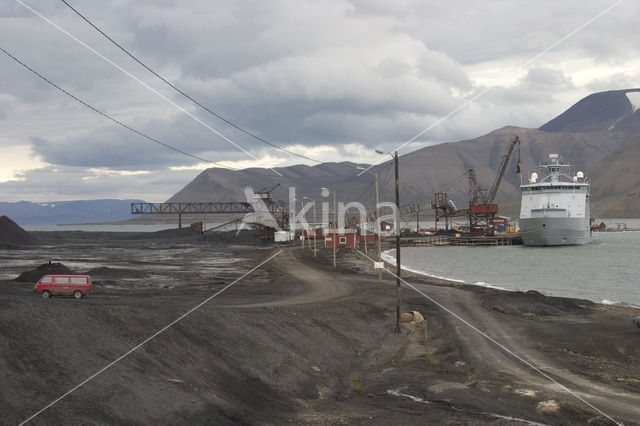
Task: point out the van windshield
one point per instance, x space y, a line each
45 280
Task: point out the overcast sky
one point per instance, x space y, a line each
330 80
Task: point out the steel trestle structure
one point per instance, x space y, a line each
232 207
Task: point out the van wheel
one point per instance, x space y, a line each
46 294
77 294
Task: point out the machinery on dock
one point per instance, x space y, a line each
482 209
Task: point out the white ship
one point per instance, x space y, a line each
555 209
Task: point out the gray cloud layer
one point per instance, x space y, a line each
307 73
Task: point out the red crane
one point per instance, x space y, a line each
481 207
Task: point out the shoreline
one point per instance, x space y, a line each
388 256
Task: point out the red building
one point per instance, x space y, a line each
350 238
347 238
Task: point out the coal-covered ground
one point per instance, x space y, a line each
295 341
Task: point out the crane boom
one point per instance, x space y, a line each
515 140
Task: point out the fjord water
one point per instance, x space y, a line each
606 270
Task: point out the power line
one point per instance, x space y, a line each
126 126
454 181
150 138
153 90
387 176
186 95
108 116
142 83
372 182
365 191
138 132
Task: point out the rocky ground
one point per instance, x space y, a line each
294 342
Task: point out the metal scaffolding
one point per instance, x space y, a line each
228 207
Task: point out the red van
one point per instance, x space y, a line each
76 285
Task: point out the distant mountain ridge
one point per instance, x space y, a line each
65 212
599 135
594 135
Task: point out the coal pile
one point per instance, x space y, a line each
12 233
105 271
44 269
174 233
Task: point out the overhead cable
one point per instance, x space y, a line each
183 93
105 115
142 83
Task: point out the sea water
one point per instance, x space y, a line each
606 270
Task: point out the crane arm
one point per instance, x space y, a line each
266 189
515 140
474 188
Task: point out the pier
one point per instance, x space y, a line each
496 240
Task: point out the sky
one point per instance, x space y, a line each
330 80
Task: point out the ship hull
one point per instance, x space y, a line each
554 231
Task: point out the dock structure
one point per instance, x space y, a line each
424 241
496 240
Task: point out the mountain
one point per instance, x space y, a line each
615 110
616 183
422 172
598 135
64 212
217 184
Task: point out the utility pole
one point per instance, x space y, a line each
315 233
378 224
364 227
397 329
378 229
335 216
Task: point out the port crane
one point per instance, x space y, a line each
482 210
265 193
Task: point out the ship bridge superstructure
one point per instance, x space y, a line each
555 208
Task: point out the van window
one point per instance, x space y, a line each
78 280
61 280
45 280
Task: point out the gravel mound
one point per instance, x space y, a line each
105 271
12 233
44 269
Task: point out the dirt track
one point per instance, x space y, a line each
295 342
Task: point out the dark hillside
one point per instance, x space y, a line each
599 112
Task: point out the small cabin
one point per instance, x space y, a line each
347 238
